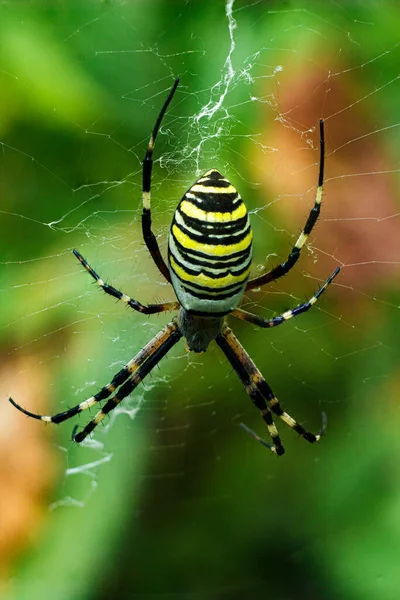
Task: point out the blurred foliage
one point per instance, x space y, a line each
182 502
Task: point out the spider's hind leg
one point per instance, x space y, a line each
250 384
155 350
253 379
137 367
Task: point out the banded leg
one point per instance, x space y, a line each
248 371
148 235
250 385
293 257
120 378
294 312
128 387
109 289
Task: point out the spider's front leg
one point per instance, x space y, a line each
148 235
259 390
109 289
294 255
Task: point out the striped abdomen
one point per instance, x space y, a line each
209 247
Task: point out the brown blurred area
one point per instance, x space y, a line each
28 468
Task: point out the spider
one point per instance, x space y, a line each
209 260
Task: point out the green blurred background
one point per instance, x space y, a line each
172 498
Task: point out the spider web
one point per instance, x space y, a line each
77 113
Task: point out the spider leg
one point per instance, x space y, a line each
148 235
159 350
294 312
293 257
109 289
120 378
250 385
264 443
252 378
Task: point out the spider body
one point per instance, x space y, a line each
209 260
210 247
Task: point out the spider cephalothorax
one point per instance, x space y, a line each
209 258
197 330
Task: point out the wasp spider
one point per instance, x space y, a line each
209 261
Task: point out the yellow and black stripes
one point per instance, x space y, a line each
294 255
260 392
210 245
